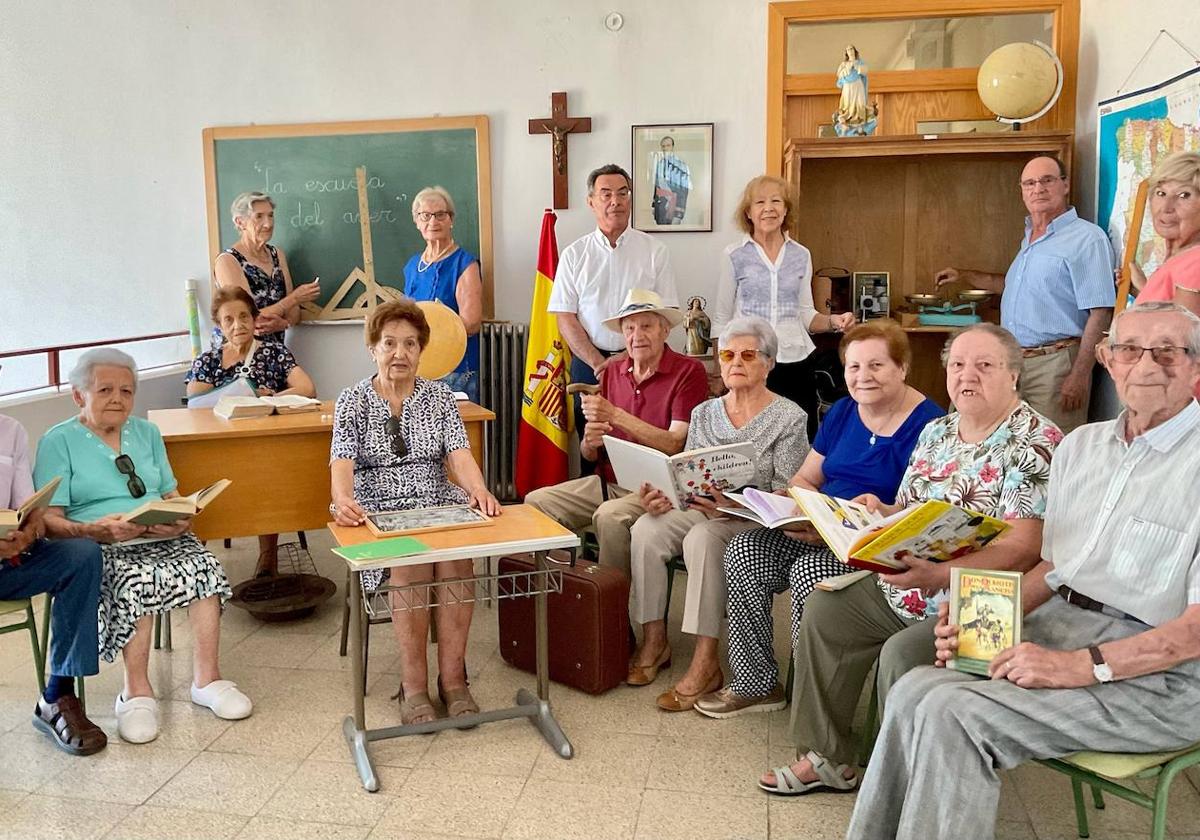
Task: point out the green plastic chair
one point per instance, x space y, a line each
25 605
1101 771
45 648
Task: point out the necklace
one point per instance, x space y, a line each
424 265
886 420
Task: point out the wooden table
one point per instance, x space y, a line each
278 466
519 529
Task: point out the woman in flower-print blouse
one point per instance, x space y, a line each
992 456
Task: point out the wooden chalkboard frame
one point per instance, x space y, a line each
483 162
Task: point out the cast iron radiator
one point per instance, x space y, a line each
502 346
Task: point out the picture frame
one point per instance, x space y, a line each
870 295
395 523
672 168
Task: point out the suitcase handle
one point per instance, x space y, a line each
569 563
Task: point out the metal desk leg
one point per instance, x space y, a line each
544 719
354 727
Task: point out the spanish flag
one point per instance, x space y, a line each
542 438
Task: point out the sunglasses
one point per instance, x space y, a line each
728 356
392 427
137 487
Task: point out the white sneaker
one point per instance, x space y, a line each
137 719
223 697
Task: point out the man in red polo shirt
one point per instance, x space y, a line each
647 397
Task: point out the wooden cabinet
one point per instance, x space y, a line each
911 206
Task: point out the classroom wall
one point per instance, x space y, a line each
103 204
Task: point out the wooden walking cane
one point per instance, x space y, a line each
1132 239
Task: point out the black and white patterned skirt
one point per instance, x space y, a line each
151 578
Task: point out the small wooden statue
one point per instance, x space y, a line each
698 326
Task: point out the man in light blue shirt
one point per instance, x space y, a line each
1057 297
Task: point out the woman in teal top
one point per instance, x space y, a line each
446 273
110 464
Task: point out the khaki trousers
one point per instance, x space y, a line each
1040 384
701 541
576 504
841 636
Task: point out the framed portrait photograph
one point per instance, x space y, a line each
394 523
672 177
870 295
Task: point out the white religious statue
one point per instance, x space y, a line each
855 116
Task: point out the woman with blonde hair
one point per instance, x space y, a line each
1175 209
769 274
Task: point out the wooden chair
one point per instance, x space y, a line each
1101 771
29 623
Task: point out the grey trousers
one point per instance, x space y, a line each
701 541
1041 380
945 734
841 636
575 504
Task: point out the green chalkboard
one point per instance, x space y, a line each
309 170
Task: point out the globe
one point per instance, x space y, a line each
1019 81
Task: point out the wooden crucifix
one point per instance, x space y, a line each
558 127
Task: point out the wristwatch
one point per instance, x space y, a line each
1100 669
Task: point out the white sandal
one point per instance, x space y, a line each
830 779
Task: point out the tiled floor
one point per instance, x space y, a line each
285 772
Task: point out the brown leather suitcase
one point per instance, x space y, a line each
588 625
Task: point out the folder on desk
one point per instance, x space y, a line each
382 549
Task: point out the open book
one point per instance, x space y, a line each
682 476
986 607
934 530
233 408
12 520
766 509
168 511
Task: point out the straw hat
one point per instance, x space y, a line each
447 340
644 300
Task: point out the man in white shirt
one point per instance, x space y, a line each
597 271
1111 654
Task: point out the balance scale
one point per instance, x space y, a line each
933 311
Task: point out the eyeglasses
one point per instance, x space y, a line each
1044 181
728 356
620 195
1168 355
440 215
137 487
392 427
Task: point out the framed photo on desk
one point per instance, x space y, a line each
394 523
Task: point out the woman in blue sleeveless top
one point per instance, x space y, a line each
447 273
261 269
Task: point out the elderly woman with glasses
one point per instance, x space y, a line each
747 413
394 434
110 464
447 273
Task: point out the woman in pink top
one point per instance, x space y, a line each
1175 209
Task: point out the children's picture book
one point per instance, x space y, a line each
423 520
681 477
168 511
839 582
12 520
767 509
934 530
985 605
235 408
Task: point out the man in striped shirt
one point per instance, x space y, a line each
1057 297
1111 660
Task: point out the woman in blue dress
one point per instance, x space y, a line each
447 273
261 269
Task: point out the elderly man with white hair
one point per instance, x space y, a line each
1111 657
111 463
747 413
648 398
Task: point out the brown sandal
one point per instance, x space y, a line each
416 709
458 702
67 724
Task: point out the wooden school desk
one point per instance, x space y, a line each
278 466
519 529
